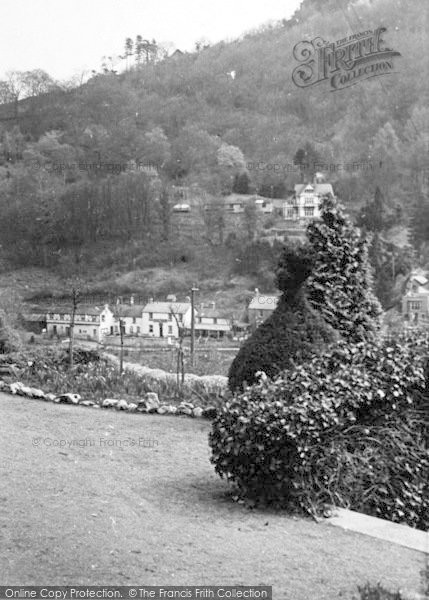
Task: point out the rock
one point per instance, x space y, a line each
151 400
87 403
15 388
185 408
122 405
50 397
172 409
132 407
37 394
68 399
197 412
142 409
109 403
25 391
163 409
209 413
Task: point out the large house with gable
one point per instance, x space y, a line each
415 301
165 319
304 205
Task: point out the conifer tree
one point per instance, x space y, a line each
340 286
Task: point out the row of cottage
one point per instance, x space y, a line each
155 319
169 319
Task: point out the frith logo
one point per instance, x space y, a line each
345 62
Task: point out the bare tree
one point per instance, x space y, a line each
119 317
180 363
75 291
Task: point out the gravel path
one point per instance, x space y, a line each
154 513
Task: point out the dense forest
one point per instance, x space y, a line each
97 160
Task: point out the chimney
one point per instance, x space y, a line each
150 300
213 305
131 300
256 292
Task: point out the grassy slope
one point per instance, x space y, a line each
159 516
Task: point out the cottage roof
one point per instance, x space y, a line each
126 310
80 310
34 317
322 189
211 313
178 308
421 279
263 302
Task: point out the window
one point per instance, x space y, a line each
170 329
170 316
215 320
138 329
151 316
103 318
131 330
150 328
414 305
309 200
290 212
134 319
261 313
309 212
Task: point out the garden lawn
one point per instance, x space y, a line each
156 514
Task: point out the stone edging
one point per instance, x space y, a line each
148 405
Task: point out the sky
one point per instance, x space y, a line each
67 37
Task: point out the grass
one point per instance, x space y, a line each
210 361
105 514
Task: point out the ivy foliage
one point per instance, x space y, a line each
349 427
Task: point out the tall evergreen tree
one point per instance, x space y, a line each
340 286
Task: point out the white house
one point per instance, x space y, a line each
211 323
415 302
261 307
305 204
132 318
90 322
163 319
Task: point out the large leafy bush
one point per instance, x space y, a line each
294 332
339 429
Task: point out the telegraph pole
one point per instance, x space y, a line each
193 290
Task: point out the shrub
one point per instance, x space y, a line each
378 592
9 339
338 429
294 331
